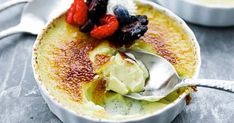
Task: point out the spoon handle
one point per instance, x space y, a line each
11 31
215 84
10 3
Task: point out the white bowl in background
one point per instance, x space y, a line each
203 14
164 115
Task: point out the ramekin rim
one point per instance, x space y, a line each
209 6
174 103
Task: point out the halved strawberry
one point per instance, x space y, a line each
109 25
77 13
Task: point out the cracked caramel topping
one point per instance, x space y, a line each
101 60
74 67
155 37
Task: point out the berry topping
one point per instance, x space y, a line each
142 18
88 2
109 25
87 27
70 14
77 13
132 31
97 8
91 17
122 14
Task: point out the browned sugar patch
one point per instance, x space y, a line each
155 37
74 67
101 59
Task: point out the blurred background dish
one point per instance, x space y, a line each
217 3
217 13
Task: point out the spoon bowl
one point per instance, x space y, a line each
164 79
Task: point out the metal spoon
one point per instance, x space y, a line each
35 15
164 79
11 3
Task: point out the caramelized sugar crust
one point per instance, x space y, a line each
74 66
155 37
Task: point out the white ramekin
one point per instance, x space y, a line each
217 16
164 115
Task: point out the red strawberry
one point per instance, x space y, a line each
70 14
109 25
77 13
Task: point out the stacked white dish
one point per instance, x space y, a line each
216 13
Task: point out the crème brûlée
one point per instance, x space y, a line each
71 65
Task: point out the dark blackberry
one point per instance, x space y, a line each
97 8
143 19
88 2
87 27
132 31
